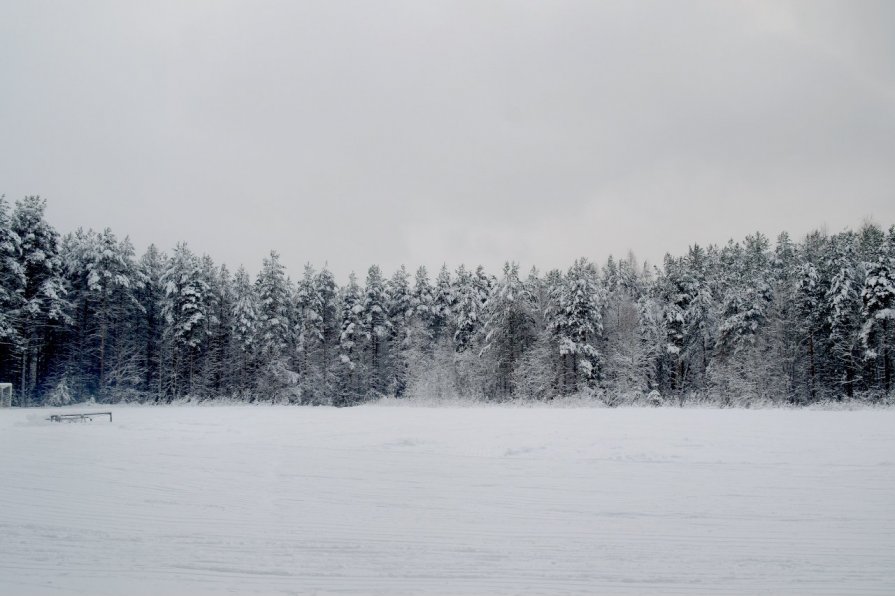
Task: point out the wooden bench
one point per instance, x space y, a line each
82 417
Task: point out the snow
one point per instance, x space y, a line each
373 499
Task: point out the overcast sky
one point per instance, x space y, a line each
424 132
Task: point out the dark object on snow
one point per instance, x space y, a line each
5 395
83 417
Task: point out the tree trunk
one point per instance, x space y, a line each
849 378
102 358
23 387
887 360
812 371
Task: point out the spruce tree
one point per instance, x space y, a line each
275 331
509 329
44 309
12 283
350 336
151 295
844 314
185 314
376 329
400 318
578 325
878 297
244 328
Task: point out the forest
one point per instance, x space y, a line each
749 323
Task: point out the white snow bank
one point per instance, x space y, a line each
192 500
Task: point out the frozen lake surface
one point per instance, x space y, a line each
374 499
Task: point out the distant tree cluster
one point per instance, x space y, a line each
82 317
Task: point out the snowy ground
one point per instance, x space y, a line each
193 500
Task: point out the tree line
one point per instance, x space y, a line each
82 317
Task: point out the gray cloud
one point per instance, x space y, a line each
423 132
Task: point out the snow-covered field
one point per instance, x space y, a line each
194 500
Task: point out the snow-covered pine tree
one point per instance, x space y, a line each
678 288
878 297
610 278
323 348
350 338
843 306
535 375
79 373
244 329
318 332
12 283
537 294
275 327
217 363
431 369
578 326
467 309
151 295
400 318
744 305
375 331
741 371
306 316
422 299
470 374
700 318
43 307
629 278
623 346
442 300
274 298
184 312
119 313
783 319
650 361
509 330
809 296
871 243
